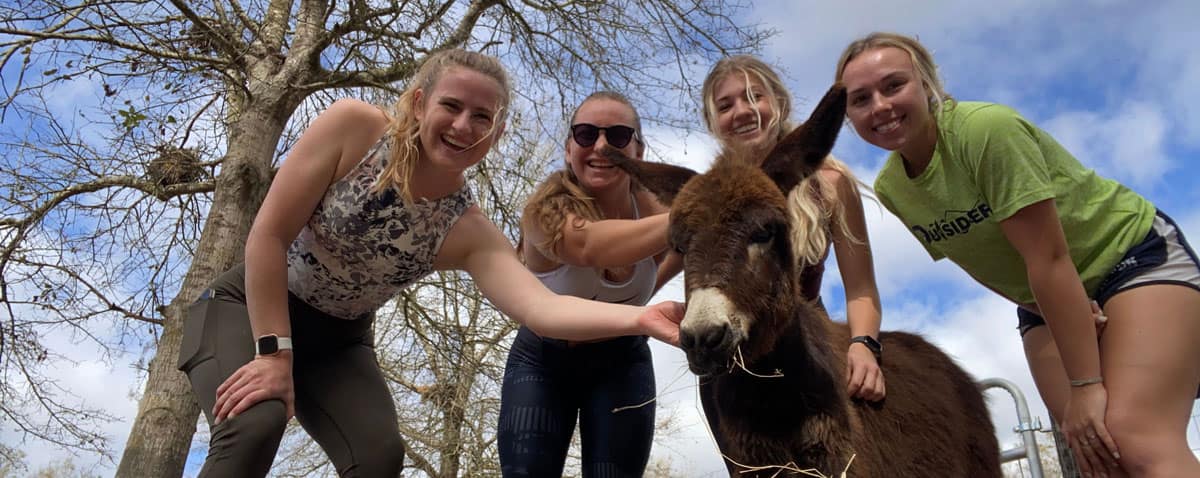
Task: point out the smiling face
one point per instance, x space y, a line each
459 118
889 104
743 113
594 172
731 226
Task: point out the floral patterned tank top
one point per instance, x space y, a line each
360 247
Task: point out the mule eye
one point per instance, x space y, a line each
679 249
762 235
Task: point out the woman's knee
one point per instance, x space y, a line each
263 421
384 457
246 444
1140 437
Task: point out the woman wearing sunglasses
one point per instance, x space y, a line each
588 232
747 108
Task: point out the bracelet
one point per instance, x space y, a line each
1087 381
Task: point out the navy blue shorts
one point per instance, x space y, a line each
1163 257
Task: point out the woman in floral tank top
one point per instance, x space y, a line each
350 220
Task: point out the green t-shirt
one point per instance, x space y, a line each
989 163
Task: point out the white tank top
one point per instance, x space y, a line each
589 282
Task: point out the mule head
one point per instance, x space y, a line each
731 226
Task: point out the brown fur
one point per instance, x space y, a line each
731 225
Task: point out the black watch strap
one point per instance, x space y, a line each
872 344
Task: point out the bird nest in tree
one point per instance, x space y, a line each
175 165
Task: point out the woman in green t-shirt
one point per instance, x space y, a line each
982 186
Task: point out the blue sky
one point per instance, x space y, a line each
1114 81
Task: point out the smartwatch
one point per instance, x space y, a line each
271 344
872 344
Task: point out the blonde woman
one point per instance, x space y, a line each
982 186
747 108
366 203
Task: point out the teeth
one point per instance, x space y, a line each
454 143
599 165
888 127
745 129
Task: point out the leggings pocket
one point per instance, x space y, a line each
193 335
212 324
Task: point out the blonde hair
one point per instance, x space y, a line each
747 66
811 205
922 61
812 212
403 128
561 194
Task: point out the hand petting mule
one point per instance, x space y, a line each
775 362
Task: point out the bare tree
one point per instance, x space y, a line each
1048 452
120 203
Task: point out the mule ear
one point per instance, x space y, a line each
802 151
662 179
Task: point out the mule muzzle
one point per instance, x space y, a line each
711 332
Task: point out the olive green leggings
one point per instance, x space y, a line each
342 400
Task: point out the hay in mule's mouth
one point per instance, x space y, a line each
736 361
666 390
791 468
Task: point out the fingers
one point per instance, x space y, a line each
1107 444
248 400
662 321
880 388
233 401
228 393
1095 451
676 311
1098 316
855 376
872 386
1088 458
864 378
251 383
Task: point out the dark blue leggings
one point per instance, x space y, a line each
547 382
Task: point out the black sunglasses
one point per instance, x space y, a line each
618 136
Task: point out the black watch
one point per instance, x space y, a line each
872 344
271 344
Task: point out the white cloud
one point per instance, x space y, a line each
92 382
688 149
1127 146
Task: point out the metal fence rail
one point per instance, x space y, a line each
1026 427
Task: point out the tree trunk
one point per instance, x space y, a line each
166 419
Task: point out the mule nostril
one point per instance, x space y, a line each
687 340
713 337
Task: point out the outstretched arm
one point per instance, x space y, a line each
851 245
476 246
602 244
